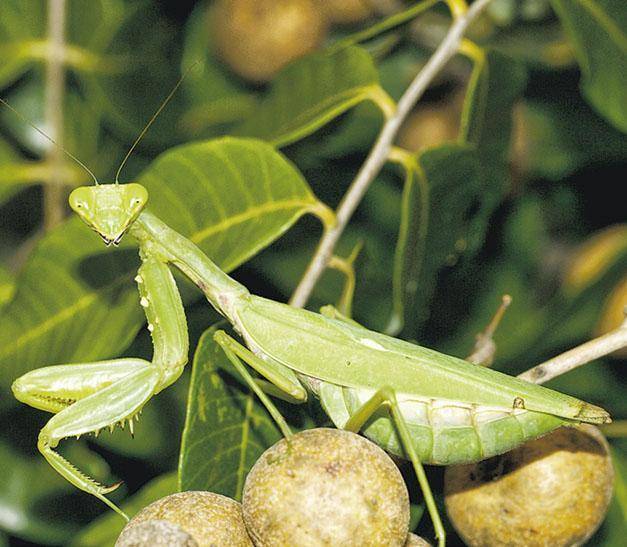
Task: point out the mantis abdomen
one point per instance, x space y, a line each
443 432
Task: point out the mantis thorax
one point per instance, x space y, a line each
109 209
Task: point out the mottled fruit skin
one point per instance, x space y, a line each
416 541
155 533
257 38
552 491
326 487
211 519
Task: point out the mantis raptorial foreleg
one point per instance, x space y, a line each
105 408
88 397
386 397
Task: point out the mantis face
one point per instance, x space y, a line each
109 209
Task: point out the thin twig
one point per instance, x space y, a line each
379 153
54 192
485 347
585 353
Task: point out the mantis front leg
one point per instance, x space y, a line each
88 397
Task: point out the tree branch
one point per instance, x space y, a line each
379 153
603 345
54 192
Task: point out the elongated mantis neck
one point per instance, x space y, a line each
220 289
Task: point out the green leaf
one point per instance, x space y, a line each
103 531
14 173
496 83
442 188
74 301
564 136
312 91
597 30
7 286
226 428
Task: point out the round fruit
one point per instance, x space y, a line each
210 519
326 487
257 38
155 533
550 491
346 11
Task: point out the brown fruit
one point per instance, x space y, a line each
551 491
416 541
210 519
326 487
155 533
257 38
346 11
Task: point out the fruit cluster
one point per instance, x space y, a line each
326 487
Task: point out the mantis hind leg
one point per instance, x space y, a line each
386 396
116 403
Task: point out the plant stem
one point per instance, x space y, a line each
54 192
379 153
603 345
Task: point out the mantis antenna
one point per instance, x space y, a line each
151 121
41 132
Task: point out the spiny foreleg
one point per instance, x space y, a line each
116 403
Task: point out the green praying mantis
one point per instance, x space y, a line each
412 401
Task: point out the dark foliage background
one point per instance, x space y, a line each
539 216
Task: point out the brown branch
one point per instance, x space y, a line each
581 355
378 155
54 192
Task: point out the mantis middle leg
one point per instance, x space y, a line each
386 396
279 377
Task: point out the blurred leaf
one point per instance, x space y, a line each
540 45
312 91
442 188
497 81
597 30
226 429
103 531
7 286
74 302
132 46
20 23
592 258
218 98
560 137
12 172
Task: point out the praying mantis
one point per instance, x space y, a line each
412 401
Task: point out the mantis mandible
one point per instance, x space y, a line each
413 401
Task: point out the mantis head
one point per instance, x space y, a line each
109 209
